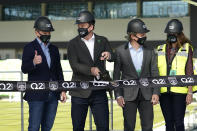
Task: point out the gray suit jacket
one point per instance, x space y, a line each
124 69
81 61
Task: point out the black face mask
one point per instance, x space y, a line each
45 38
83 32
171 38
141 41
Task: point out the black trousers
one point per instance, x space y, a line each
98 103
173 108
145 109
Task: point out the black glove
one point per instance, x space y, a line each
104 76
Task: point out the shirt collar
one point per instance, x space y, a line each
41 43
92 38
131 47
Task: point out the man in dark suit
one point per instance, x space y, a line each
86 54
41 61
134 61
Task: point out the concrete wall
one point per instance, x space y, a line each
113 29
17 54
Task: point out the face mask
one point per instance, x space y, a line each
141 41
83 32
171 38
45 38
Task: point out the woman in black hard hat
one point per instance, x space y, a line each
175 58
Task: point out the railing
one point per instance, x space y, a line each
11 75
10 120
191 119
21 94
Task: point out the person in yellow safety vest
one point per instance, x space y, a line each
175 58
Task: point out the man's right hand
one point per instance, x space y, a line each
120 101
95 71
63 97
37 58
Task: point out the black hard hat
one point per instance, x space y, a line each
85 17
174 26
137 26
43 23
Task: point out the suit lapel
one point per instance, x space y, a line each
40 52
96 48
84 49
52 54
128 57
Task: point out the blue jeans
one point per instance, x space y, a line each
42 113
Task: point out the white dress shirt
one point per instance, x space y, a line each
90 45
137 57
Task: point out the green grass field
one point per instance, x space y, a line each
10 117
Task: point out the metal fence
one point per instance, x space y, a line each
14 115
18 75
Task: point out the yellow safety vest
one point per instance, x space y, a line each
194 88
177 66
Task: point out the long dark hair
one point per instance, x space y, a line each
181 40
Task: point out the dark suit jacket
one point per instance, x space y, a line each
41 72
124 69
81 62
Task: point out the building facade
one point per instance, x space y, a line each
17 19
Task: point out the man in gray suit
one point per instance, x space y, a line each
134 61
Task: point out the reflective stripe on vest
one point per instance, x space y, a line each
178 65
